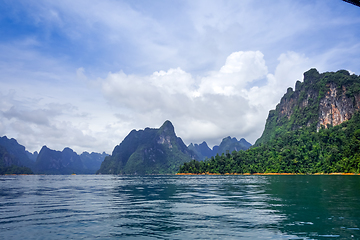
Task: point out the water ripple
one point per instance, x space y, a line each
178 207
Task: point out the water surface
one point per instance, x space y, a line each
179 207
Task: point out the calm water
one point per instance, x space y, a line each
179 207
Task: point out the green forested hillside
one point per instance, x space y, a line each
9 164
294 141
148 151
301 107
336 149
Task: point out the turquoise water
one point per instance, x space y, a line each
179 207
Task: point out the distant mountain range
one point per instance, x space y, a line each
47 161
67 162
228 144
148 151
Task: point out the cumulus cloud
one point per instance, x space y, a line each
209 107
290 68
240 68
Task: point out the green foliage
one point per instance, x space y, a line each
13 169
336 149
7 164
149 151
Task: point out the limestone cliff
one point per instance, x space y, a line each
336 107
322 100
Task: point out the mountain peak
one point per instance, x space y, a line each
167 125
322 100
149 151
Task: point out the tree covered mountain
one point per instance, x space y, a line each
18 151
67 162
58 162
9 164
322 100
315 128
14 157
148 151
228 144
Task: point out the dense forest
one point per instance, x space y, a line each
293 140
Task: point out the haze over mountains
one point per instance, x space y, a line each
148 151
49 161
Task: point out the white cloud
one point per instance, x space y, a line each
209 107
240 68
38 122
39 116
173 81
290 68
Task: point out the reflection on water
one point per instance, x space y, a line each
317 206
179 207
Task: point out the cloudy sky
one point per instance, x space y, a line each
83 74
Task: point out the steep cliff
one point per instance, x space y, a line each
148 151
322 100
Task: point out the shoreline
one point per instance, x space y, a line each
269 174
200 174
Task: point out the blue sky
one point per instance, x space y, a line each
83 74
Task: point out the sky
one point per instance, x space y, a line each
83 74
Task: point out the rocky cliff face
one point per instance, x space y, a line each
322 100
336 107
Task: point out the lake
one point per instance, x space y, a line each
179 207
